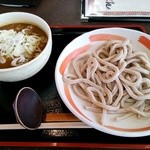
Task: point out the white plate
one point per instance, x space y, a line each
130 127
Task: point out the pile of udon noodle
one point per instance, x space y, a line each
113 78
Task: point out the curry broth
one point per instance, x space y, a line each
18 27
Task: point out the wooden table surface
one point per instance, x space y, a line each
67 13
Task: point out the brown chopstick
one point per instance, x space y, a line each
58 117
51 121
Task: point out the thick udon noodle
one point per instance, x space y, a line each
113 78
20 43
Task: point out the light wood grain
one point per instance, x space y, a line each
59 117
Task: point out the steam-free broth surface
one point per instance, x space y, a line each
20 43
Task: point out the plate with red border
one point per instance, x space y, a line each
129 127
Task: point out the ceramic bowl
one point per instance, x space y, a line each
32 67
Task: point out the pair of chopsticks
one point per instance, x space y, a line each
52 121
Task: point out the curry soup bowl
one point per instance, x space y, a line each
30 68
